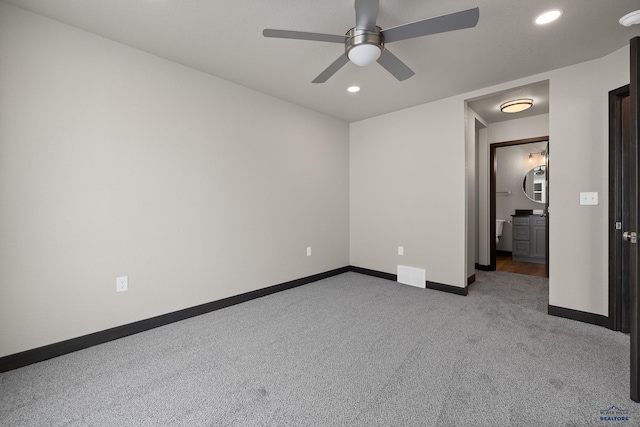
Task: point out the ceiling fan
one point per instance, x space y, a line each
366 42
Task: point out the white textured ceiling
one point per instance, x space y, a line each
224 39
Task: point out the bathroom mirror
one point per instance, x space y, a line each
534 184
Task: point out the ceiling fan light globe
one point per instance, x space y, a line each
364 54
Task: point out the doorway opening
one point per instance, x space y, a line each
524 206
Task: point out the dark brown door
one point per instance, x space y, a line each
619 198
634 220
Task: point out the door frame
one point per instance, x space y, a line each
493 168
634 254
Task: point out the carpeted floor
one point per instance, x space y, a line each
351 350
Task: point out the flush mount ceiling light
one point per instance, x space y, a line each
516 105
630 19
548 17
353 89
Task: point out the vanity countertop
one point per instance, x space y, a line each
527 212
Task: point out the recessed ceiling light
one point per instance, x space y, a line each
630 18
549 16
353 89
516 105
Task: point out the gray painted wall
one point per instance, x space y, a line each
114 162
408 188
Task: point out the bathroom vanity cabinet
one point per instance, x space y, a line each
529 238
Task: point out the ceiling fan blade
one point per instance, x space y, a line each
366 14
303 35
392 64
439 24
331 69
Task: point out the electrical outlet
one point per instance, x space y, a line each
400 250
308 250
122 284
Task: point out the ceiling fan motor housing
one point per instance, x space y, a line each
358 39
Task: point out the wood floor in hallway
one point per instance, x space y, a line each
505 263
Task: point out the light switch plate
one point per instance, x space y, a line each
400 250
588 198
